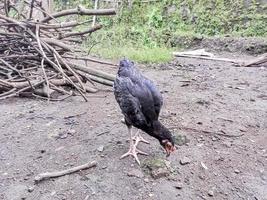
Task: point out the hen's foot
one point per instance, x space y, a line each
133 151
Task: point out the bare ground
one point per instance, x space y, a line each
208 102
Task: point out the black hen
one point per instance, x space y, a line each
140 103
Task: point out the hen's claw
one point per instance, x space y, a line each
133 151
138 138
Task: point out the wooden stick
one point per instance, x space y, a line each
90 89
100 80
58 25
94 72
42 62
31 9
15 93
91 30
94 17
89 59
80 11
57 82
257 61
55 174
177 54
58 43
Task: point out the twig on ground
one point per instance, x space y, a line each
55 174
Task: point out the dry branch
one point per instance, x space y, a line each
257 61
179 54
94 72
58 43
89 59
80 11
22 84
91 30
100 80
202 54
47 175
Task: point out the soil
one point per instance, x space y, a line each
217 111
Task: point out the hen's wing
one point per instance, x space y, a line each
124 90
137 78
139 100
157 97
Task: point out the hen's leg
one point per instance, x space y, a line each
139 138
137 135
133 151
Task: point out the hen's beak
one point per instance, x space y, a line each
169 148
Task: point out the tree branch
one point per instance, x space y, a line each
80 11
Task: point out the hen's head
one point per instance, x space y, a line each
126 63
167 141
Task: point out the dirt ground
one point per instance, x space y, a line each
219 108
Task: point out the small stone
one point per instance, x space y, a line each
43 151
119 142
185 160
178 185
202 177
150 195
146 180
30 189
237 171
227 144
203 165
53 193
100 148
71 131
172 177
159 173
211 193
63 135
135 173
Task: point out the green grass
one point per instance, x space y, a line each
147 33
141 54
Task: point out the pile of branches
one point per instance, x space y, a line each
42 57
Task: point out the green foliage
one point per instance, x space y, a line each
142 54
145 27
